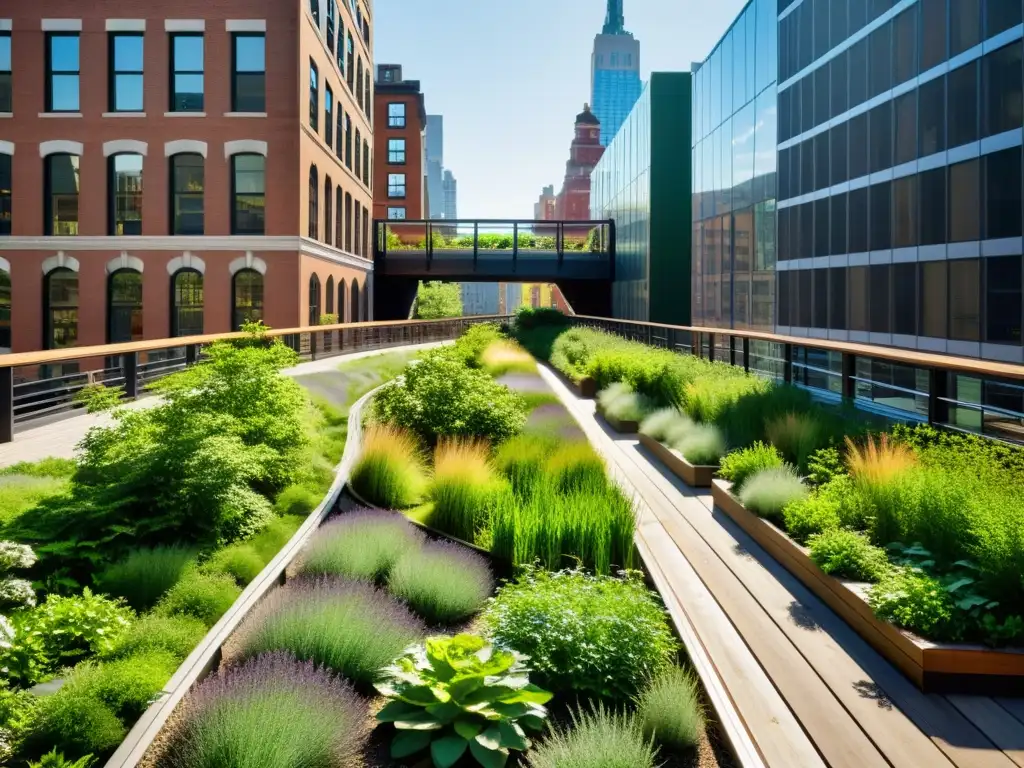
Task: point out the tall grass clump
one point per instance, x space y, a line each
145 575
739 466
576 468
205 596
126 685
620 402
702 444
463 486
599 738
390 472
660 423
176 635
878 460
796 435
239 561
670 709
442 582
769 491
522 460
271 711
362 544
348 627
502 357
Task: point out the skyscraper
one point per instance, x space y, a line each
614 72
435 166
451 209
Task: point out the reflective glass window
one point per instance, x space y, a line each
1002 193
6 185
187 191
964 25
964 201
1000 15
932 298
61 194
962 120
859 146
1003 94
124 307
6 73
314 96
60 311
821 27
965 299
820 314
837 298
249 73
126 67
880 120
821 158
1003 299
933 33
880 200
931 117
839 89
124 176
858 298
838 224
905 38
905 113
858 14
838 146
878 277
932 192
62 72
821 95
805 298
858 220
821 227
905 211
248 191
880 60
904 298
838 21
187 72
858 67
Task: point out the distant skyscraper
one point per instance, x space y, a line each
544 208
480 298
435 166
614 72
451 209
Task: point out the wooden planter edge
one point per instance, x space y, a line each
623 427
932 667
694 475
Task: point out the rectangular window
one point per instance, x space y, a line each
339 139
6 73
1002 203
931 116
837 298
965 201
806 232
314 96
125 194
396 212
396 115
838 221
932 191
61 196
880 200
838 150
350 66
964 25
859 220
880 120
821 151
838 86
806 86
962 120
329 116
806 166
126 66
858 300
859 146
249 73
62 72
905 45
348 141
821 95
359 156
820 318
396 185
905 112
1000 15
880 60
904 298
6 184
904 192
187 192
332 15
804 297
859 72
933 33
838 29
248 194
1003 299
965 299
878 276
341 47
1003 89
187 72
396 151
932 299
821 227
858 14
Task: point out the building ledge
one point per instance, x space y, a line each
124 114
245 114
184 114
60 114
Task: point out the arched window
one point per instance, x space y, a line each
248 194
364 305
187 303
359 151
5 310
366 163
358 228
60 309
314 8
332 14
124 306
329 296
348 222
366 92
359 82
328 199
339 133
314 204
246 298
187 185
61 194
366 233
354 308
342 288
124 191
339 232
314 299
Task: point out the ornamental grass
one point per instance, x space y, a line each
390 472
362 544
443 582
464 484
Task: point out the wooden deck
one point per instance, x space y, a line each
806 690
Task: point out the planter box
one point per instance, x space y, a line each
933 667
587 387
621 426
694 475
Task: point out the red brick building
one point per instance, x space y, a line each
169 168
573 201
399 182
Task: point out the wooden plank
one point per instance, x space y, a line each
1005 730
1014 706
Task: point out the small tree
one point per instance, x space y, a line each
436 300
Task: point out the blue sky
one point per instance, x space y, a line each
510 75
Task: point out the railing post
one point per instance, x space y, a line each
938 390
429 244
191 354
515 244
560 243
711 347
6 405
787 363
746 354
130 369
476 242
848 374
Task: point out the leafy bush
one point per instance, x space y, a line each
810 516
824 466
589 635
363 544
740 465
459 695
670 709
125 685
440 397
599 738
239 561
17 716
769 491
77 626
502 357
702 445
914 600
15 592
470 346
206 596
442 582
297 500
522 460
390 471
463 487
575 467
176 635
74 723
271 711
528 318
146 574
55 759
848 554
346 626
436 300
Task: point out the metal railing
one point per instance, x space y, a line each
966 394
37 386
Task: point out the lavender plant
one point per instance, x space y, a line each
362 544
444 583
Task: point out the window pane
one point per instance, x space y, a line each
63 182
821 158
126 194
838 224
905 108
839 86
1002 109
804 297
62 309
840 170
64 93
858 302
1000 15
187 182
127 93
5 52
859 146
965 300
250 53
188 53
188 93
963 94
880 59
879 303
248 297
932 117
187 307
128 53
880 119
1003 193
904 298
125 307
821 227
64 53
905 45
5 195
933 299
858 72
964 199
880 196
820 319
964 25
1003 299
933 33
932 191
837 298
396 213
859 220
250 92
905 211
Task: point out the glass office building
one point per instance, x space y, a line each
642 182
734 175
614 73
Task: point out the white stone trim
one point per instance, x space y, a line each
125 145
60 114
245 114
187 260
126 25
180 146
248 262
246 25
62 25
60 146
184 114
60 261
245 146
6 147
5 265
124 261
5 25
124 114
6 114
184 25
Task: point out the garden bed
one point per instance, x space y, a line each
695 476
933 667
622 426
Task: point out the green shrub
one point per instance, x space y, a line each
17 715
463 487
670 709
440 397
470 346
575 467
807 517
48 467
459 695
77 626
362 544
528 318
297 500
522 460
824 466
146 574
176 635
272 539
390 471
444 583
503 357
659 423
702 445
126 685
849 555
740 465
915 601
206 596
597 739
744 407
769 491
55 759
239 561
593 636
347 627
76 724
